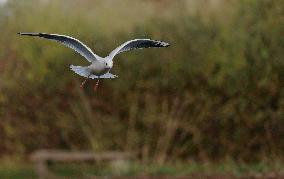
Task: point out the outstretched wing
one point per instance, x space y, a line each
137 44
70 42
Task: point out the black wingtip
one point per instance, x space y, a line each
30 34
161 43
165 44
23 33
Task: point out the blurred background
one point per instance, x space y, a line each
211 102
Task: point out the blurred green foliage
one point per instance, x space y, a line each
192 169
216 93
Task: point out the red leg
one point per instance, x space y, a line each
83 83
96 85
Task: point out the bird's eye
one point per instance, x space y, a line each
106 63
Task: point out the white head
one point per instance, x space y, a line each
108 63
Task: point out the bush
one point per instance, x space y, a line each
216 93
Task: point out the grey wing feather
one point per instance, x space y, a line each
138 44
82 71
107 75
70 42
85 72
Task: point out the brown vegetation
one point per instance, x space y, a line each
216 93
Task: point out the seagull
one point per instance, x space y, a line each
100 67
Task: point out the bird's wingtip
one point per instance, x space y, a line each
30 33
22 33
164 44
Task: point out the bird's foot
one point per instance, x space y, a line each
96 85
83 83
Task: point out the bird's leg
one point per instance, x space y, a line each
96 85
83 83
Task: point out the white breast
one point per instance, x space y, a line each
98 68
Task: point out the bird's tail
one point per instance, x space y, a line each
82 71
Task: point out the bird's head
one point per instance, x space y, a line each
108 64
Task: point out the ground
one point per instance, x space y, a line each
151 171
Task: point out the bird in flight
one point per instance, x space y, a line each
100 67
